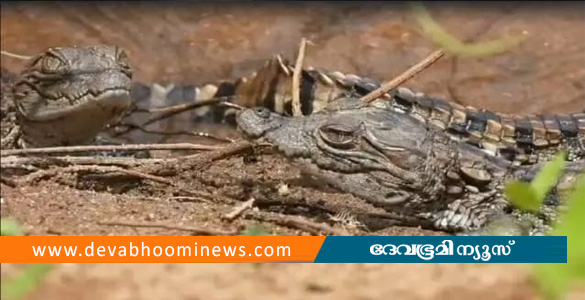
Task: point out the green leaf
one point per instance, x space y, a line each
553 280
24 283
456 47
548 176
10 228
255 231
522 196
571 224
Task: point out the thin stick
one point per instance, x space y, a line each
231 105
178 132
17 56
240 209
296 80
400 79
196 231
170 111
79 160
110 169
188 199
98 169
187 106
128 147
301 224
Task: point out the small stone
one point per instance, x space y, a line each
150 217
480 176
454 190
472 189
283 189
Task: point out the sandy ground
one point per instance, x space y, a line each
200 43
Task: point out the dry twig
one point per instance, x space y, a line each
98 148
188 199
111 169
406 75
76 160
97 169
17 56
179 132
236 148
301 224
240 209
193 230
296 80
170 111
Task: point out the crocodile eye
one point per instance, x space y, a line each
339 136
262 112
51 64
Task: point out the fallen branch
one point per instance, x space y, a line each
194 230
240 209
98 148
406 75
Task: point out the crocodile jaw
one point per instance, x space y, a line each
75 125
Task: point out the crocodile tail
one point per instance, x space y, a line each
522 139
270 87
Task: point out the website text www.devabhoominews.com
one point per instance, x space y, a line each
158 249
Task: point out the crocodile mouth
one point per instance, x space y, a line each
111 99
95 95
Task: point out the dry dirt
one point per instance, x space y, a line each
200 43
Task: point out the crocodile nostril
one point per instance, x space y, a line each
262 112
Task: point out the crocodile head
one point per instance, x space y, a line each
374 153
388 159
65 96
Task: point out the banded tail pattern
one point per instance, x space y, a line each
270 86
521 139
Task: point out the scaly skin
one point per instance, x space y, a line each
394 161
269 86
523 140
65 96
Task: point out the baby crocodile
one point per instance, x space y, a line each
394 161
521 139
66 95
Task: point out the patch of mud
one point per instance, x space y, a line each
286 281
79 203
